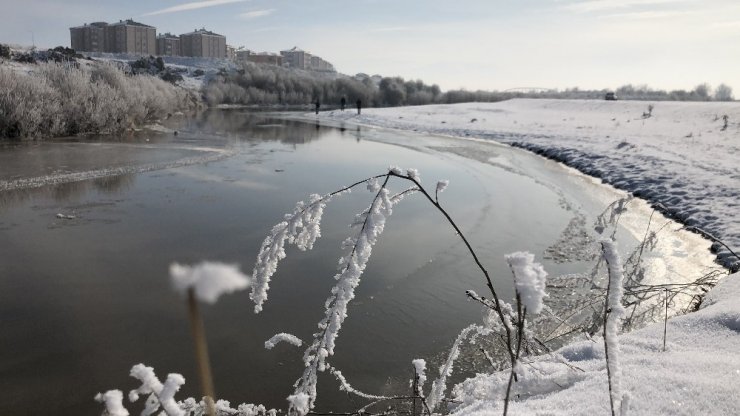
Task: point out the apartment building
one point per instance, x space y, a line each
168 45
126 36
89 38
203 43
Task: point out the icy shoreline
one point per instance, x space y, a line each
679 158
693 175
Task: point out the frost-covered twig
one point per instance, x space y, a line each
437 392
301 228
371 223
283 337
345 386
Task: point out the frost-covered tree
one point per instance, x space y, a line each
723 92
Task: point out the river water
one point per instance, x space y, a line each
89 226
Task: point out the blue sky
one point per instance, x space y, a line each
487 44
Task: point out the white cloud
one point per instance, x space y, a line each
253 14
601 5
193 6
648 15
391 29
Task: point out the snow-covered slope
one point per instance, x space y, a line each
698 373
680 156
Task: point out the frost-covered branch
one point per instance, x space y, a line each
283 337
439 386
371 223
301 228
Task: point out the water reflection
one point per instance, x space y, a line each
244 125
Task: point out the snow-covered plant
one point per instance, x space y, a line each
613 314
529 280
439 386
162 396
113 401
283 337
370 224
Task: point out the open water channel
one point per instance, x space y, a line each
89 227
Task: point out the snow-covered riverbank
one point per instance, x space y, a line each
678 155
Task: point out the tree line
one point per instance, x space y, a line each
258 84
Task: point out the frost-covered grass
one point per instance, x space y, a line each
51 100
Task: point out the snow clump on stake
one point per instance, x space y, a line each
529 278
209 280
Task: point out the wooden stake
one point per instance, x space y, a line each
201 353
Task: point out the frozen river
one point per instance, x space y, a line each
86 296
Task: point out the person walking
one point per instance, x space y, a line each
359 106
343 102
318 104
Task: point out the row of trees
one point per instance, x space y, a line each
268 85
258 84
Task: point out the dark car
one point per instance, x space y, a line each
610 96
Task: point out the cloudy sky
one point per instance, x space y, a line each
486 44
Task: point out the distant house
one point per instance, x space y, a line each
296 58
266 58
242 55
203 43
168 45
126 36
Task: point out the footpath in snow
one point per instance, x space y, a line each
683 160
678 156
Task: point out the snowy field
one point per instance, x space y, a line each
680 157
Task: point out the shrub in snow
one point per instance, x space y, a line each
58 100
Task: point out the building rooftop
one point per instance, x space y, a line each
130 22
167 35
294 49
95 24
203 32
